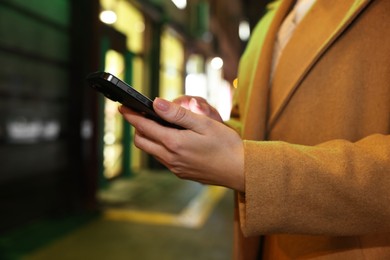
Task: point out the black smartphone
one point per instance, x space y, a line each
117 90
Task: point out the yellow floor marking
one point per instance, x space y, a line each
194 215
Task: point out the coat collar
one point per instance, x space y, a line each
257 78
334 16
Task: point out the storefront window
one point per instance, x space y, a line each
113 124
172 63
131 22
204 78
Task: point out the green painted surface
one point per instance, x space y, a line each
24 240
55 10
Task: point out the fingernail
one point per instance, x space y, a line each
162 104
194 102
194 106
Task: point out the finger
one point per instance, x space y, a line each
151 131
198 108
137 120
194 104
183 101
165 155
178 115
149 145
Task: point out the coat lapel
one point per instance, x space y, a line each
256 72
334 16
254 87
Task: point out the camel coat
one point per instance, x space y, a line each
317 139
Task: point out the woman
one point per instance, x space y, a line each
309 155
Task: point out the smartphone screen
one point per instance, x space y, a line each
119 91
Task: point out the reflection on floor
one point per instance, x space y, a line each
151 216
193 209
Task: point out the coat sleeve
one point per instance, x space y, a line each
334 188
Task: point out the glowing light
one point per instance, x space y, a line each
217 63
27 131
50 130
139 27
244 30
181 4
109 138
235 83
108 17
86 129
196 85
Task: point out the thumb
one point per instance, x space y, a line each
197 107
176 114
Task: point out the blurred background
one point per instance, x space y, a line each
69 171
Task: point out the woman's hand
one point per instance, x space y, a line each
207 151
198 105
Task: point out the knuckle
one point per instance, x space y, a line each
170 160
180 114
174 164
173 144
178 171
137 141
139 130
